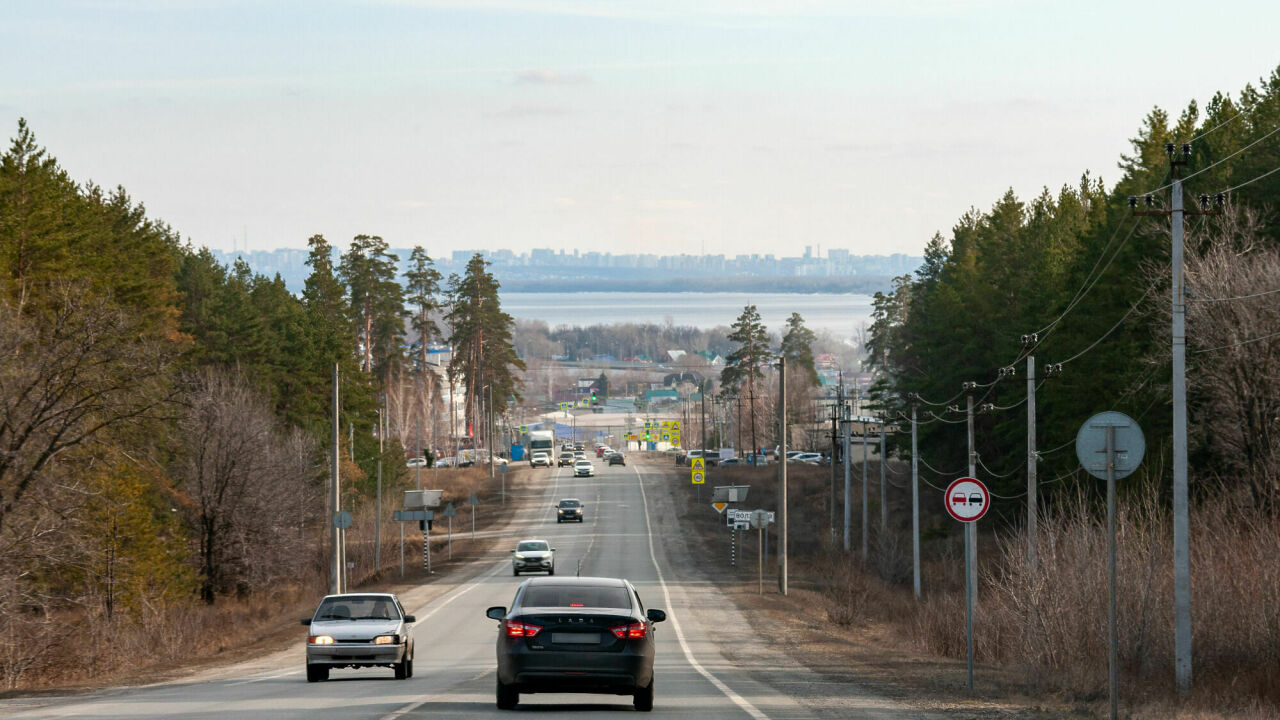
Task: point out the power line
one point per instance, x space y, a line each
942 419
1238 344
1272 171
1216 127
1238 297
944 403
1091 280
939 472
993 472
1214 165
1119 322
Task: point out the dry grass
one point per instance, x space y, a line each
158 640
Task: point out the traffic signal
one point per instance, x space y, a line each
593 395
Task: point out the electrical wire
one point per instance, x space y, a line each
1238 344
941 419
944 403
1091 280
1272 171
1214 165
938 472
1119 322
1216 127
993 473
1238 297
1050 452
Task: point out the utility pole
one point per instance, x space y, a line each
335 500
1181 513
782 475
488 426
864 491
848 469
915 501
836 411
1032 532
971 529
884 490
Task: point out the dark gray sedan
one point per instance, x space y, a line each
579 634
359 630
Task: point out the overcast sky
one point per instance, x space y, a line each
665 126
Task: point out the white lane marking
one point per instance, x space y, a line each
737 699
415 705
264 678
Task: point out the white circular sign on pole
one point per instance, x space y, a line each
967 499
1091 444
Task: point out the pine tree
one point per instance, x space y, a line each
483 353
743 366
797 348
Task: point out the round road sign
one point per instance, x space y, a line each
1091 444
342 519
967 499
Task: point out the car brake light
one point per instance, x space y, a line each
633 630
519 629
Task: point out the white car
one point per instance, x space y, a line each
540 459
811 458
418 462
533 555
583 468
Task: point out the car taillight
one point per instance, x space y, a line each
519 629
633 630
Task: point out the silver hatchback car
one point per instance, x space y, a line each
359 630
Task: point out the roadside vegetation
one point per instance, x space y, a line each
165 420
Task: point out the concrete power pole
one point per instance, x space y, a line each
782 476
335 499
1032 557
848 469
884 492
915 504
1181 513
971 529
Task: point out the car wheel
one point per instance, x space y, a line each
409 668
402 669
643 698
552 570
515 572
507 697
317 673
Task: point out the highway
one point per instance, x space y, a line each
454 664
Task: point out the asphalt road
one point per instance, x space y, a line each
454 664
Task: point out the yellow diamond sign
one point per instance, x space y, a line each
719 506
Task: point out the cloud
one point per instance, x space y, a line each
549 77
526 112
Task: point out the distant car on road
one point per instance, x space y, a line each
617 459
359 630
566 459
418 462
583 468
576 635
569 510
533 555
810 458
540 459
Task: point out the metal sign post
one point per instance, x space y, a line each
967 500
760 519
473 501
449 512
1118 439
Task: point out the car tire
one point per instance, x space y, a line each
643 698
402 669
507 697
317 673
410 666
515 572
551 570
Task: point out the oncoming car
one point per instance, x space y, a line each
566 459
533 555
583 468
540 459
576 635
359 630
569 509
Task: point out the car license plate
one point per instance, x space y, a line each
575 638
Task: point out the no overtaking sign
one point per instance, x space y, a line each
967 499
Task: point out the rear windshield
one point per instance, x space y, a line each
570 503
357 607
576 596
532 546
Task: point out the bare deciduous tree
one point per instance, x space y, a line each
252 486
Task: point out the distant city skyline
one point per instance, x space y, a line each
702 126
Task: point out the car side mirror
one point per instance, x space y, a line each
553 549
306 621
511 551
410 618
656 615
496 613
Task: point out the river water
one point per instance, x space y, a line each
843 315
